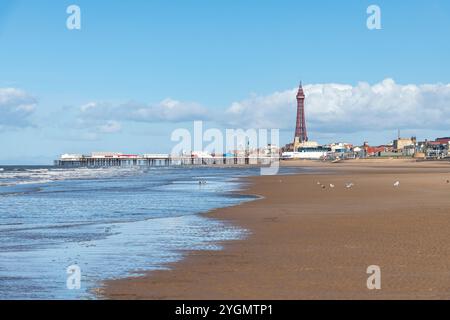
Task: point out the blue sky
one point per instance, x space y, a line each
208 56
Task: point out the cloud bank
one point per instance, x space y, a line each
346 108
16 106
330 108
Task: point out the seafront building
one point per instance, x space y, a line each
402 143
439 148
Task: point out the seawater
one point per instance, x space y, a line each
110 222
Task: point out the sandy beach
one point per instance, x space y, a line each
309 240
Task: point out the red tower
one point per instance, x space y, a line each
300 128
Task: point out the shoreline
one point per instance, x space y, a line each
306 242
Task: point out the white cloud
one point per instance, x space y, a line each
15 107
346 108
168 110
107 118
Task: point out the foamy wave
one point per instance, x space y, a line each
43 175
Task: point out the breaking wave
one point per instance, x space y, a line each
26 176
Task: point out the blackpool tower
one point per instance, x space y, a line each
300 128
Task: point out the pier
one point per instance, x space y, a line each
73 161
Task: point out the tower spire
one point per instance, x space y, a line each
300 129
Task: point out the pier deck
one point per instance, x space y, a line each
163 161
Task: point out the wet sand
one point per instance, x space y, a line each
309 242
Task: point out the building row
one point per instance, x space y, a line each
401 147
410 147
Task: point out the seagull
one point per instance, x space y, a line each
397 183
318 183
349 185
331 185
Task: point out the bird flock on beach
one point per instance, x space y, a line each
332 186
350 185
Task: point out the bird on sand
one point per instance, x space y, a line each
331 185
349 185
397 183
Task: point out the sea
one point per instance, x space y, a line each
64 231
